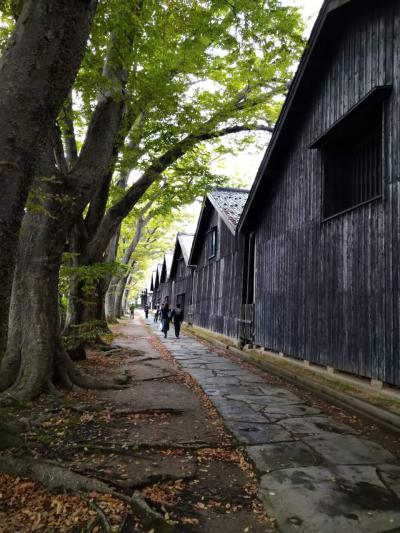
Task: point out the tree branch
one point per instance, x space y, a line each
58 150
68 132
121 209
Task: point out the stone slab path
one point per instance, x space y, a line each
315 474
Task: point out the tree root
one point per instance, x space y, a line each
83 380
56 477
101 517
29 384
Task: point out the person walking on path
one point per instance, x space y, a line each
146 311
132 310
165 318
177 316
157 312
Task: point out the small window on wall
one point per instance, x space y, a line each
249 270
352 157
212 243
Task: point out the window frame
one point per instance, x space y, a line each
212 242
374 100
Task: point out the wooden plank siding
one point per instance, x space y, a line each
217 282
328 291
181 277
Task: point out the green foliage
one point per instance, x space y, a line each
89 275
191 68
189 61
85 334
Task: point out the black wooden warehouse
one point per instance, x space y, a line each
181 275
156 298
324 212
312 267
216 253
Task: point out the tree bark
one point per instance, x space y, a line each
34 310
116 214
124 303
116 287
120 301
36 72
36 360
34 348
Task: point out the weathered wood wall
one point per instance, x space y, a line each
328 291
182 285
217 283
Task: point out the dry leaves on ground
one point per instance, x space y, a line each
26 506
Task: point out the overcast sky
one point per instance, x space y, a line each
310 9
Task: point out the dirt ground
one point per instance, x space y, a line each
157 438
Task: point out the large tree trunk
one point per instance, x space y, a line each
35 359
32 342
111 316
124 303
37 70
117 285
119 303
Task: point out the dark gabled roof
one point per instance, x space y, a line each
323 36
158 275
183 246
166 267
228 203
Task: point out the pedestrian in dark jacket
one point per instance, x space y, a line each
156 313
177 316
165 317
146 311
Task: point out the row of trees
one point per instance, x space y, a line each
111 111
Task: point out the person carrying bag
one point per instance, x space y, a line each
177 316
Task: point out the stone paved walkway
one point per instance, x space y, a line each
316 475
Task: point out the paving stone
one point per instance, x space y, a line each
273 390
237 373
269 457
317 499
231 410
319 477
264 400
193 364
349 449
251 390
212 392
390 475
314 425
279 412
201 374
251 378
220 380
223 366
248 433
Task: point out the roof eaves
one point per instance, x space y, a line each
222 213
326 9
196 235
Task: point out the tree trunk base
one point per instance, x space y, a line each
30 385
78 353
